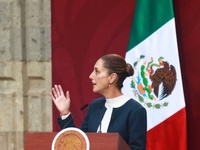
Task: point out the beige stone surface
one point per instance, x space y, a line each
25 70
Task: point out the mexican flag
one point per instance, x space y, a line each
157 81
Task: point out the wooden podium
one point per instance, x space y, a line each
98 141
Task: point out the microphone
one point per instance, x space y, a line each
83 107
100 128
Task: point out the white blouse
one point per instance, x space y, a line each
110 104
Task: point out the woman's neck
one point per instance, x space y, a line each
112 93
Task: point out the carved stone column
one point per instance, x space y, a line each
25 70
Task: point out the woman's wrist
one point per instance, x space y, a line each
64 113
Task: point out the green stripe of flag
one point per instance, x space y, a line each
148 17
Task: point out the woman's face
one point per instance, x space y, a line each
100 77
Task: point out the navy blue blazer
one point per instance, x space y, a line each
129 121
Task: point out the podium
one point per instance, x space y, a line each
98 141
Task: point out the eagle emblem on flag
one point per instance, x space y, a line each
153 81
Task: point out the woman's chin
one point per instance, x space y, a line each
94 91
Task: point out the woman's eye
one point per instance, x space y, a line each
97 72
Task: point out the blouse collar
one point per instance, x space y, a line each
116 102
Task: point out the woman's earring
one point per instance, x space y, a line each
109 84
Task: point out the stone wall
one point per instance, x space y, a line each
25 70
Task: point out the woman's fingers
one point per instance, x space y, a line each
67 95
61 100
58 94
52 96
57 91
54 93
60 89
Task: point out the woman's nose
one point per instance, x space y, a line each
90 77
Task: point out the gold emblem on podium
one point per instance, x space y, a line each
70 139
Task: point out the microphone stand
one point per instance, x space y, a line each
83 107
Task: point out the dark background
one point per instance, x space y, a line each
84 30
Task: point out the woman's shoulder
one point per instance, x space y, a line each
98 101
133 103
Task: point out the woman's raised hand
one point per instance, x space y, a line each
61 101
